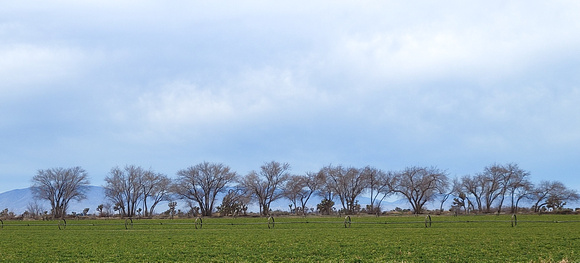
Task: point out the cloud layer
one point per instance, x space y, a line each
383 83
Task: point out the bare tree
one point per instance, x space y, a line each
493 179
59 186
554 193
266 184
124 187
517 186
35 209
325 191
508 177
455 188
473 186
419 185
348 184
523 191
299 189
293 188
379 185
496 183
155 187
313 182
201 183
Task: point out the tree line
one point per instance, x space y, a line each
133 189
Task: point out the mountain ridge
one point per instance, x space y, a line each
18 200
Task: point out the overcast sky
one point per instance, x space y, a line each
168 84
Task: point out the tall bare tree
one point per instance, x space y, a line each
299 189
523 190
155 187
473 186
420 184
325 191
347 183
124 187
496 183
493 180
202 183
517 186
293 188
59 186
505 177
455 188
553 193
313 182
379 185
266 184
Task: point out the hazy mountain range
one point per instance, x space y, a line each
18 200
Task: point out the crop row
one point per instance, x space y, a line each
295 222
404 238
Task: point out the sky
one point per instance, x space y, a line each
165 85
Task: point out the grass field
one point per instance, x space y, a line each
545 238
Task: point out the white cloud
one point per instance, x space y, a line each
449 43
326 78
252 97
182 103
35 66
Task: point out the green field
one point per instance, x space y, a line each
545 238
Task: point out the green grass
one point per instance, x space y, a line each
401 238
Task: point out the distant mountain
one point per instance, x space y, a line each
18 200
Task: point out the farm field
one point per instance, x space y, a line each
545 238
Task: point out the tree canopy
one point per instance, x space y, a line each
59 186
